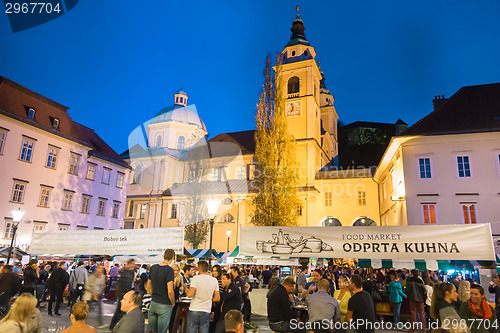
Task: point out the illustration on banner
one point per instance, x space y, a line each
282 244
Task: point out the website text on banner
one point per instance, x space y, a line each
440 242
110 242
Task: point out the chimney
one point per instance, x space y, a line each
438 101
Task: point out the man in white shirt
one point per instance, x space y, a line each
204 290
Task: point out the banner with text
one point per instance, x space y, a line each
110 242
432 242
262 261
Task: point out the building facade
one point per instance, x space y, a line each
61 174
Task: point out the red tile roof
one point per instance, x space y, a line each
472 109
16 99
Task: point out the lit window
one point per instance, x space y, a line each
361 198
173 211
18 191
214 174
180 142
27 149
31 113
240 172
39 227
63 227
102 206
227 218
68 198
74 160
55 123
85 204
429 212
143 212
424 165
469 212
227 201
116 209
3 137
91 171
52 157
463 166
8 231
44 196
328 198
119 179
158 141
106 174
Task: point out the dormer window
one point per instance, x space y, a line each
293 53
31 113
305 53
55 123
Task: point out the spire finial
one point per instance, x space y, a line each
297 9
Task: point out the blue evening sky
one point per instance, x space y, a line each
116 63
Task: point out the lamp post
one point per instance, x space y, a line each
17 216
228 233
212 206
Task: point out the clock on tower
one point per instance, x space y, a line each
292 108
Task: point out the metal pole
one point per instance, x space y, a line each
227 244
14 229
212 220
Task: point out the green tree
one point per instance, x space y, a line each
276 172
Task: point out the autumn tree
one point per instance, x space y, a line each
276 171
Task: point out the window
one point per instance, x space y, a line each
120 177
158 141
142 215
424 165
63 227
85 203
31 113
44 196
180 142
91 171
18 191
173 211
182 99
55 123
361 198
3 137
328 198
74 161
116 209
27 149
192 175
299 210
214 174
469 212
106 173
102 206
8 231
38 227
429 213
52 157
128 225
81 227
293 85
240 172
227 218
463 166
131 209
68 198
227 201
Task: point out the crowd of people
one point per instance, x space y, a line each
332 293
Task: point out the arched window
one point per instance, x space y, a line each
364 222
227 218
331 222
180 142
141 226
158 141
293 85
227 201
137 174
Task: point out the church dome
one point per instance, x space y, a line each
179 114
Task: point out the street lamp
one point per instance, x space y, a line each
212 206
17 216
228 233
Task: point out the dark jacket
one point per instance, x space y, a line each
231 299
10 283
475 325
278 305
43 276
496 291
415 289
132 322
29 277
124 283
58 280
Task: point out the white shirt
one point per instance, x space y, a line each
205 286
